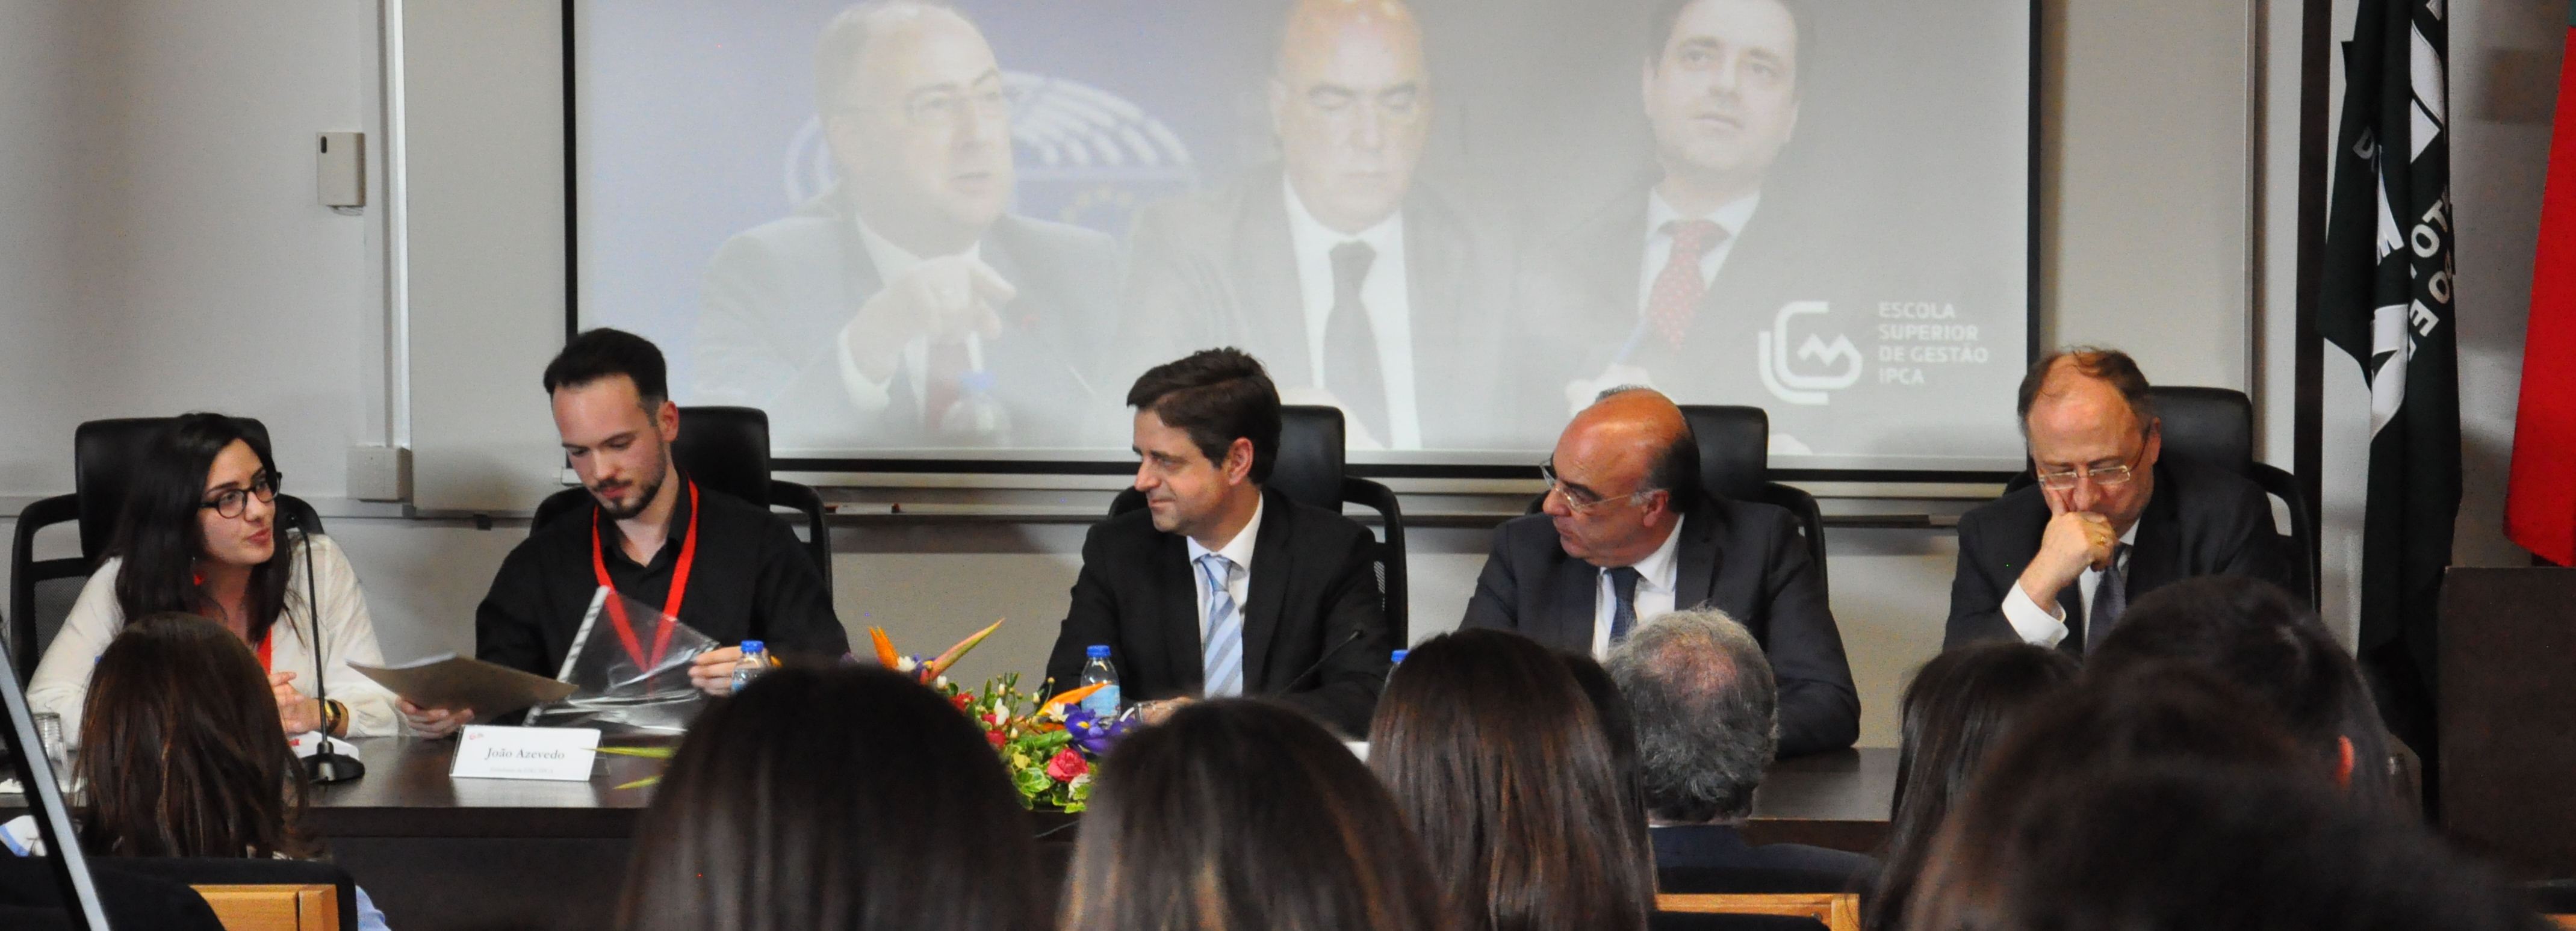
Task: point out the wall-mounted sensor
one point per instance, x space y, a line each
341 170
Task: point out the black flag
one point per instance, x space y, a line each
2385 298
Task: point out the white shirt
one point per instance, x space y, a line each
1382 291
1238 580
872 395
1730 216
1657 578
2042 626
61 684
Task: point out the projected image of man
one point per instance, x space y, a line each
1358 285
904 306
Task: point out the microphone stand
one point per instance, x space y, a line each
327 765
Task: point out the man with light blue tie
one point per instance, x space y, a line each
1216 586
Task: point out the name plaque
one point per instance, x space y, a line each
558 753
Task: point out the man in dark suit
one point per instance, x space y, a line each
1217 586
1358 287
1705 709
2109 519
1628 533
904 308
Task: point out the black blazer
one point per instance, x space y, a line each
1314 591
2202 520
1741 557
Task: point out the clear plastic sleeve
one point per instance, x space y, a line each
618 694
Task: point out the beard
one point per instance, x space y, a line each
652 488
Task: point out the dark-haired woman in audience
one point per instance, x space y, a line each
1957 708
184 756
200 535
1242 814
1500 764
847 799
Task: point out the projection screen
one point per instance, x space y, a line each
926 231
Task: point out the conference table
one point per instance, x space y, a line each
438 853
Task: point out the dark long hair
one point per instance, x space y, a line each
833 799
1499 762
1241 814
1957 708
158 534
182 748
1619 727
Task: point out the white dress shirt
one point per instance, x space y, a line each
1383 291
1730 216
871 395
1238 580
61 684
1657 578
2042 626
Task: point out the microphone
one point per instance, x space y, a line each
326 765
1328 655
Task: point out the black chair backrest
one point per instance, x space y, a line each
2212 426
726 449
1309 467
1734 449
103 456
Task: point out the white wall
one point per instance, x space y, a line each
159 250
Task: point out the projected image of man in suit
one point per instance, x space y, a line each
2110 518
905 307
1362 288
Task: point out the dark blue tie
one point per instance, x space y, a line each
2110 600
1623 607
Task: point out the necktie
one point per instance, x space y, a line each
1623 601
2110 598
1222 654
1350 347
946 370
1679 287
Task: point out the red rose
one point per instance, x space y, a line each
1066 765
995 738
962 699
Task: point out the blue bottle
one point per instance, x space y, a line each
753 664
1096 669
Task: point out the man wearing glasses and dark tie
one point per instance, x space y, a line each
1627 533
2110 518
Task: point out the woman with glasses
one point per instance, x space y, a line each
200 535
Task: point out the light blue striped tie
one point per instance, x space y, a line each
1223 653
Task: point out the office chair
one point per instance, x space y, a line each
1735 464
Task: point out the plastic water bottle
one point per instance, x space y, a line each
976 418
1103 703
753 664
1399 661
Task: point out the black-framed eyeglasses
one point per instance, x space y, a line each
1583 500
230 502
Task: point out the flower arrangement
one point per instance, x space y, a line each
1047 746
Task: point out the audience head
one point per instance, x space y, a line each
182 749
1618 726
1722 83
2265 641
1352 108
919 122
2092 432
1207 429
202 496
1237 813
842 799
2169 847
1956 710
1707 714
1499 763
1621 476
613 411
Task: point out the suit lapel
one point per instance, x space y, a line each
1181 615
1696 562
1273 564
1575 598
1271 298
2157 558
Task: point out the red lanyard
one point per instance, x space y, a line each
670 606
264 641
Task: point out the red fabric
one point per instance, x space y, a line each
1679 286
2540 502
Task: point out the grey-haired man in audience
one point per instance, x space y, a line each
1707 719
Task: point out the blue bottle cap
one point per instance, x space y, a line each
752 646
1096 651
1399 655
